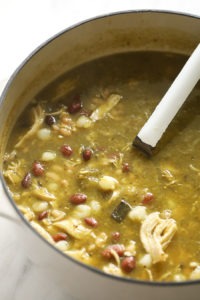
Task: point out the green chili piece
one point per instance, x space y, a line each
121 211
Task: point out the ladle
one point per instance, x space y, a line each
153 129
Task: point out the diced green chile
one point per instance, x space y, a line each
120 212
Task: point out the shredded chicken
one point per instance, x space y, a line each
43 194
156 234
14 172
57 215
73 227
27 212
38 118
112 269
81 255
103 109
42 232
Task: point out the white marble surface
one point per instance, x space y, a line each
23 26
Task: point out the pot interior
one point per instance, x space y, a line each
119 33
132 31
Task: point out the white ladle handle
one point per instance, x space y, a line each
176 95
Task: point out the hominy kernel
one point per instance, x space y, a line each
82 211
108 183
95 206
62 245
40 206
44 134
48 156
83 122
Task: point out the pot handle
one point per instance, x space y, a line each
6 209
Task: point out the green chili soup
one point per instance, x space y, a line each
72 170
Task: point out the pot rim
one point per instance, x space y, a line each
6 88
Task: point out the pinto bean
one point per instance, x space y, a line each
149 197
43 215
91 222
115 236
87 154
27 180
37 168
128 264
60 236
76 105
78 198
50 120
118 248
125 168
66 150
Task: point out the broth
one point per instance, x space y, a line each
72 171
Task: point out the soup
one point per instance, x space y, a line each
72 170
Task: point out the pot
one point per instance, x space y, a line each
121 32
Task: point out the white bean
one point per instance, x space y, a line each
179 277
195 274
83 122
82 211
108 183
52 187
40 206
138 213
145 261
62 245
48 156
95 206
44 134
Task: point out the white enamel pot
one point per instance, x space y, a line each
130 31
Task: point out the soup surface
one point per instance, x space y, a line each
73 172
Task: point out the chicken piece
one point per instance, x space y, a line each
14 172
27 212
73 227
156 234
81 255
112 269
42 232
104 108
43 194
38 118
